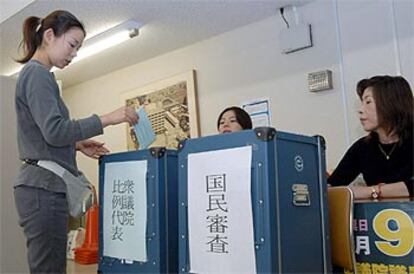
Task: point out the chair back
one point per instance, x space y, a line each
340 207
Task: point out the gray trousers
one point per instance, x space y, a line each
44 219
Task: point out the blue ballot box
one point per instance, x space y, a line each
280 226
138 212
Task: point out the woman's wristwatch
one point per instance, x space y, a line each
375 194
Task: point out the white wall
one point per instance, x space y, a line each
374 41
354 39
12 242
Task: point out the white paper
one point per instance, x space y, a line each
220 221
260 120
259 112
125 210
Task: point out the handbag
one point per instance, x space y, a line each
79 191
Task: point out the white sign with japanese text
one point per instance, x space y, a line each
220 219
125 210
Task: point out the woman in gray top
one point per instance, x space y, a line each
46 132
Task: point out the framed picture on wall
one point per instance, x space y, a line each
171 106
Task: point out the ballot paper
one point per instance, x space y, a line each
143 130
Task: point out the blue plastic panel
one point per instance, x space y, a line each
290 236
161 239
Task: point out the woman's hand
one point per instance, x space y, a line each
390 190
120 115
92 148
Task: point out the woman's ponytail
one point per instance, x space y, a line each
32 38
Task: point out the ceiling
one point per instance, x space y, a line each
167 25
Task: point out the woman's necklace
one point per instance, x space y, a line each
387 155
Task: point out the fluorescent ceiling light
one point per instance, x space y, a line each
102 41
107 39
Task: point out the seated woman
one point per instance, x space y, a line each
233 119
385 156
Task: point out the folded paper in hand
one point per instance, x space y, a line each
143 130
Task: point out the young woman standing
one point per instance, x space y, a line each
45 131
